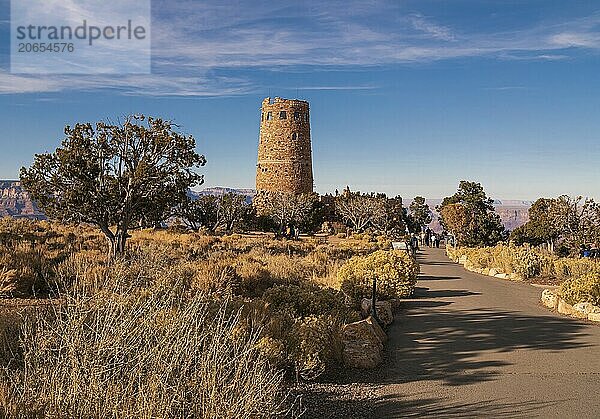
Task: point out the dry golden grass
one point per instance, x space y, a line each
186 325
154 355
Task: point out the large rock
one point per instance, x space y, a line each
385 310
501 276
363 343
549 299
463 259
395 302
586 308
515 277
568 309
595 317
16 202
493 272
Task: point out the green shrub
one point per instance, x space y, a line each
523 260
526 261
315 344
547 266
305 300
571 267
580 289
481 257
395 271
303 330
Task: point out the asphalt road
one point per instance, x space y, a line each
469 345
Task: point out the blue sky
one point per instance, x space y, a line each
407 97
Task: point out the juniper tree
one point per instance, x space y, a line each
116 176
420 213
470 215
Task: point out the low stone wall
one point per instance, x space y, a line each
363 340
494 272
552 300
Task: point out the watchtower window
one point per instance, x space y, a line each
269 116
283 115
297 116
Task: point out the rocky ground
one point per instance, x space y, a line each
329 400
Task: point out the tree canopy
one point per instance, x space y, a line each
226 212
420 214
469 214
572 222
285 209
372 210
116 176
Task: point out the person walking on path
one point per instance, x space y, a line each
414 242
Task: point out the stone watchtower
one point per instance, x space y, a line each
284 151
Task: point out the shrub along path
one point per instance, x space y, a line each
471 345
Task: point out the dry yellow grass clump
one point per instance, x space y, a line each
150 356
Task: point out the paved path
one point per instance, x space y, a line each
469 345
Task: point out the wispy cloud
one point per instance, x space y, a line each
504 88
432 29
135 85
551 57
207 48
335 88
326 35
10 83
574 39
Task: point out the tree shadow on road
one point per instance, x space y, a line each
434 407
437 278
421 292
329 402
422 261
429 341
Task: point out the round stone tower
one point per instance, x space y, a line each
284 151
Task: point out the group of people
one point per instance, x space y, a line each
430 238
590 252
427 238
291 232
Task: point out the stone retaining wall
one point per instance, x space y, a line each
494 272
552 300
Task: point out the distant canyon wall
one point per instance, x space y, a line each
16 202
512 213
